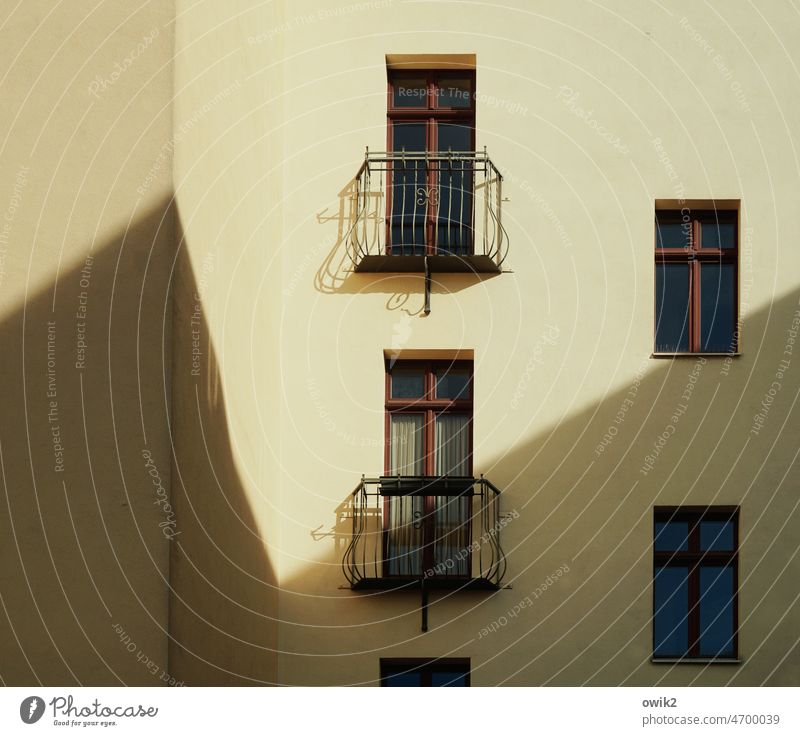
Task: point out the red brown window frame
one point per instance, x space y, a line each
425 668
694 558
694 255
431 114
430 406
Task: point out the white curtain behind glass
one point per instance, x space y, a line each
404 538
451 516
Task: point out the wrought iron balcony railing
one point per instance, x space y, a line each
425 532
428 211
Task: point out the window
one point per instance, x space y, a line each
696 254
425 673
431 115
695 553
429 435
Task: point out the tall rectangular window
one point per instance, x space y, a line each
695 583
696 299
429 433
431 119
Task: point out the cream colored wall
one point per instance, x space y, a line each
86 241
299 349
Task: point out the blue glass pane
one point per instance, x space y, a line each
409 137
716 611
671 536
448 679
719 234
672 308
453 92
407 384
452 384
671 598
716 536
454 217
717 294
410 91
454 137
409 191
404 679
672 232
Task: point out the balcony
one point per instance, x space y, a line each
427 212
425 532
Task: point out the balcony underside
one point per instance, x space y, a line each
433 583
437 264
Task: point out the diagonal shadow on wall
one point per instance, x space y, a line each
585 487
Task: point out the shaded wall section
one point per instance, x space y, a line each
86 472
223 613
86 247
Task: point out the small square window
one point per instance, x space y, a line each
407 383
410 90
452 384
454 92
672 536
718 231
717 535
672 232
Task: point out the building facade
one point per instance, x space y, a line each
402 343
